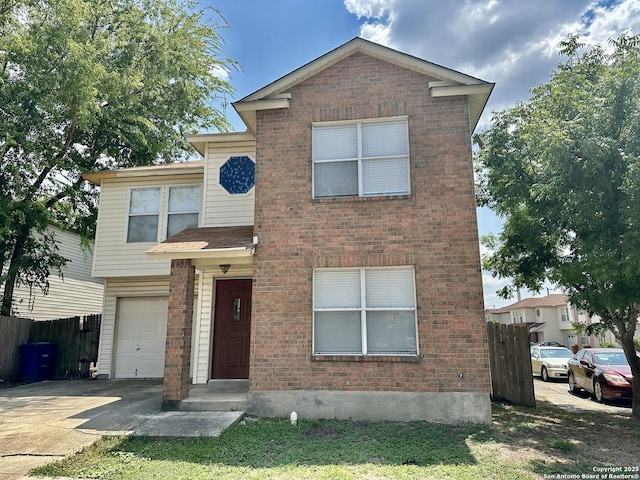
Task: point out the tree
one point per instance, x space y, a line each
86 86
563 170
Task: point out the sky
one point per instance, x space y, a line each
513 43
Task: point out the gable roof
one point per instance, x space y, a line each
553 300
449 82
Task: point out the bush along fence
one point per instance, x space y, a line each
76 340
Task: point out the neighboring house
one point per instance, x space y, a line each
549 319
75 293
330 253
602 338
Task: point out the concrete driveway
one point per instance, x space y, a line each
47 421
557 393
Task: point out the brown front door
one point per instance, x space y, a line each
232 325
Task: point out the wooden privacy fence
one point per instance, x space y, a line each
76 339
510 361
13 333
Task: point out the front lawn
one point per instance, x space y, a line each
520 444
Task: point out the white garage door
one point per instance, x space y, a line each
141 333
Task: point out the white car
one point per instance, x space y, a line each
550 362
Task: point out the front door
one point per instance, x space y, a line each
232 326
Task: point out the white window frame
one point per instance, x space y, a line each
360 158
131 215
163 214
186 212
564 315
517 316
363 309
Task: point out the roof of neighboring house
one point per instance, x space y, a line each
206 242
553 300
447 82
152 170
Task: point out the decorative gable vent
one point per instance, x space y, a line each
238 175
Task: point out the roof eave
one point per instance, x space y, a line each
96 177
247 108
478 95
199 141
233 253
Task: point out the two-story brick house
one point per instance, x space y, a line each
345 283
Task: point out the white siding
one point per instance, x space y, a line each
202 330
114 257
76 293
221 208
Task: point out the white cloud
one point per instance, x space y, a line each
623 17
376 32
370 9
220 72
513 43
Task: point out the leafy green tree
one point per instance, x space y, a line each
90 85
563 170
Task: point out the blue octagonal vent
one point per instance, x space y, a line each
238 175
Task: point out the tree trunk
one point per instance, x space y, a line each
12 272
635 405
634 362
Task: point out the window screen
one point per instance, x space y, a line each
361 159
365 311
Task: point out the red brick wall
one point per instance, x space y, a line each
178 344
433 229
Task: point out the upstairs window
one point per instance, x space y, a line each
144 215
184 203
366 158
157 213
366 311
517 316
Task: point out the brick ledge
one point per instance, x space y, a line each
355 198
366 358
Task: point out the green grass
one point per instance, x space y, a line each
520 444
561 444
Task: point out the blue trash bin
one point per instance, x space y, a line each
37 361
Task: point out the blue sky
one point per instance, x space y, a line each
513 43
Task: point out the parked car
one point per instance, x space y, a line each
550 362
603 372
547 344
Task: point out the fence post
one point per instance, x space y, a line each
14 332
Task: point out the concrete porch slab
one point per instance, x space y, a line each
187 424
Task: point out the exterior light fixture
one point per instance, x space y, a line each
225 268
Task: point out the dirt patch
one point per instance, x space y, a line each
324 432
549 434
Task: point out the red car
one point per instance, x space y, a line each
603 372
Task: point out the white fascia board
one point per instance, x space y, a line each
247 108
214 253
280 101
199 141
453 90
219 137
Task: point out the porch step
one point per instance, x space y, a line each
228 385
217 396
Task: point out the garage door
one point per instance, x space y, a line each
141 332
